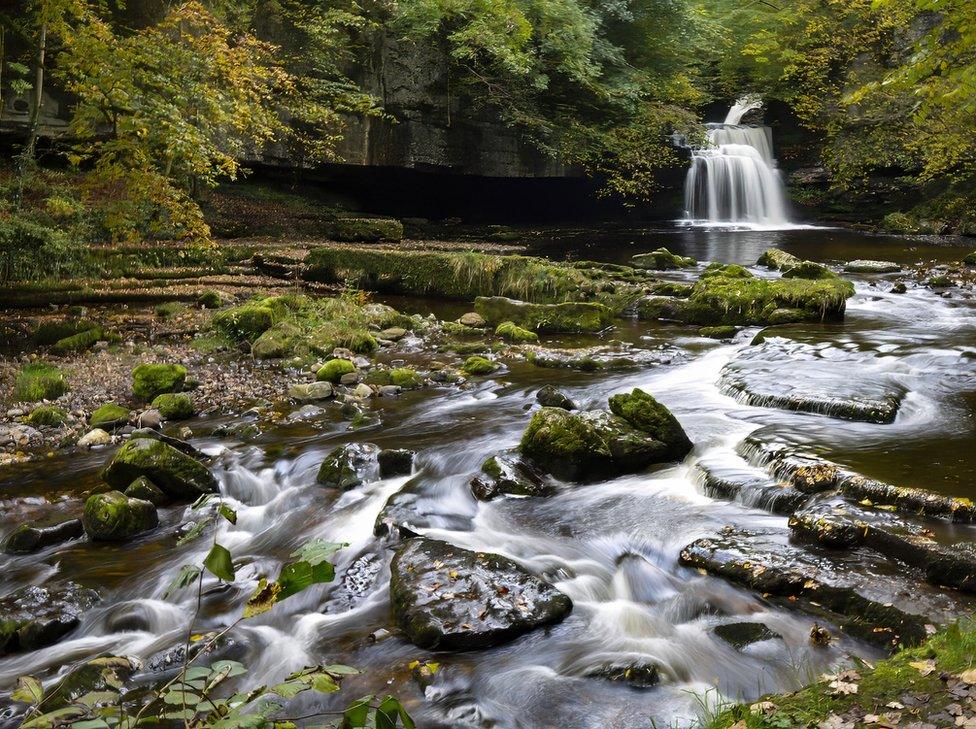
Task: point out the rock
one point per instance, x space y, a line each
306 412
28 538
591 446
349 379
388 391
750 486
213 299
970 259
181 445
509 474
725 332
365 420
150 380
475 365
810 271
174 406
362 391
277 342
35 617
741 635
648 415
899 288
448 598
349 466
47 416
406 378
940 282
367 230
777 260
864 266
333 370
243 430
244 323
393 334
636 674
906 500
311 392
94 437
548 396
109 417
473 320
178 475
114 517
395 462
512 332
151 419
144 489
662 260
564 318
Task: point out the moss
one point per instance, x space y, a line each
341 335
478 366
406 378
277 342
244 323
174 406
777 260
79 342
723 332
662 260
810 271
512 332
39 381
940 282
366 229
211 343
50 332
150 380
109 416
555 435
467 348
671 288
143 488
210 300
333 370
460 330
168 309
725 270
113 516
645 413
378 377
47 415
175 473
970 259
567 317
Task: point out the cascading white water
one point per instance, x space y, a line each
734 179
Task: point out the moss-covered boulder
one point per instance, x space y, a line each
328 337
366 230
406 377
512 332
47 415
564 318
244 323
39 381
144 489
810 271
662 260
79 342
37 616
150 380
722 332
174 406
448 598
49 332
178 475
648 415
348 466
28 538
970 259
333 370
277 342
476 365
114 517
109 416
777 260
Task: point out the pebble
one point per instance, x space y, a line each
95 437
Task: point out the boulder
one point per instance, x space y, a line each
742 635
509 474
150 418
277 342
144 489
548 396
176 474
95 437
512 332
648 415
348 466
333 370
244 323
150 380
476 365
38 616
448 598
28 538
393 334
395 462
777 260
109 416
174 406
662 260
863 266
406 378
311 391
566 318
115 517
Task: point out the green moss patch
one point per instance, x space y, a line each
512 332
48 415
150 380
39 381
109 416
567 317
333 370
475 365
174 406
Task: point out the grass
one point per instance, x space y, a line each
39 381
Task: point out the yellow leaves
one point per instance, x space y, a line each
926 667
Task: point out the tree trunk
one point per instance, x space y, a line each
3 51
35 116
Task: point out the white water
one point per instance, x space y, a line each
734 180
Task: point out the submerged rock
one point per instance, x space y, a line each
548 396
509 474
749 486
35 617
637 674
742 635
863 266
178 475
564 318
662 259
448 598
349 466
115 517
777 260
395 462
28 538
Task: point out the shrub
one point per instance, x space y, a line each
29 250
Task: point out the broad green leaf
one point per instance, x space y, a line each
264 598
228 669
289 689
337 669
387 713
29 690
94 698
316 551
181 698
228 513
324 684
219 562
180 715
193 532
195 672
187 575
53 718
356 713
297 576
90 724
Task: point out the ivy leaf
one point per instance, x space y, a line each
316 551
228 513
219 562
264 598
187 575
297 576
355 715
29 690
337 669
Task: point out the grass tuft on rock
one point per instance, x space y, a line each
47 415
39 381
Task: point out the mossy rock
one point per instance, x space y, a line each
333 370
348 466
378 376
330 336
940 282
114 517
47 415
366 230
109 416
810 271
169 309
777 260
970 260
83 341
150 380
210 300
174 406
722 332
564 318
49 332
512 332
475 365
662 260
143 488
178 475
244 323
645 413
29 538
406 377
277 342
39 381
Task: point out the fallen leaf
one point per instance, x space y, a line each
924 667
968 676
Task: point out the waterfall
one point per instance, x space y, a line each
734 178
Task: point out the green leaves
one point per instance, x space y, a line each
186 576
300 575
29 690
218 561
265 597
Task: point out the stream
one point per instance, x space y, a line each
612 547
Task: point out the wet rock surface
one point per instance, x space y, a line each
348 466
28 538
175 473
511 475
38 616
448 598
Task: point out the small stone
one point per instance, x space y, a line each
550 397
95 437
306 412
150 419
394 334
362 391
311 391
389 390
473 319
350 378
